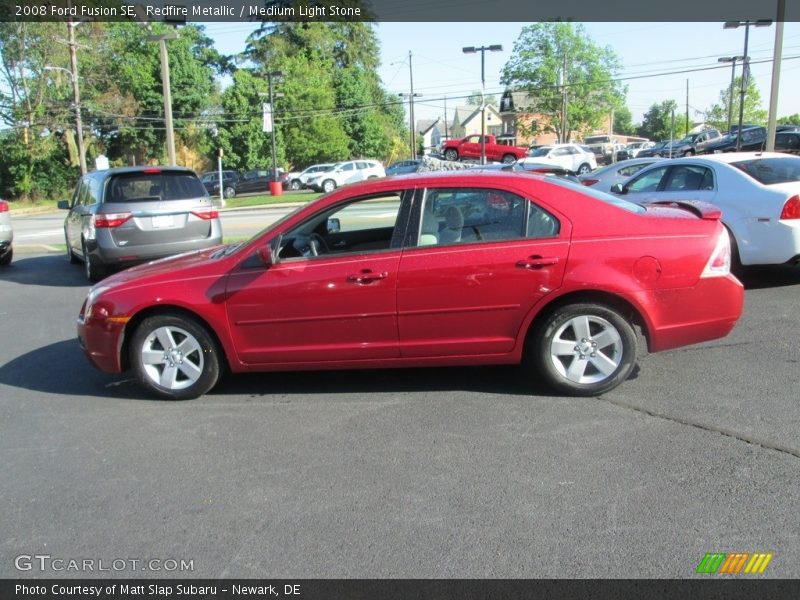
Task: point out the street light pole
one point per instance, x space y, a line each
482 50
162 43
732 60
745 67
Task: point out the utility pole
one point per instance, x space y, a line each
162 42
776 75
271 125
687 106
411 97
732 60
446 136
564 130
76 93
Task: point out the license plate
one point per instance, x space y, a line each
162 221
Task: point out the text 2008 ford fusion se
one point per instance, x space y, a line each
427 270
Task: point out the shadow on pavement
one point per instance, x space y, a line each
61 368
48 270
755 278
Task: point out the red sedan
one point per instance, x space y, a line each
428 270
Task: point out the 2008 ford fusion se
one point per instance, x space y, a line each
427 270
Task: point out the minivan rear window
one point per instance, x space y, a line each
154 187
771 170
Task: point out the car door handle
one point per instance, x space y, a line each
366 276
537 262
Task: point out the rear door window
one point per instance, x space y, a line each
154 187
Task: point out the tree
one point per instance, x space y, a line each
549 58
475 99
717 115
623 121
657 122
790 120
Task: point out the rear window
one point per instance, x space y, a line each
772 170
150 187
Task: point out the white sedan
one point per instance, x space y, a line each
567 156
758 192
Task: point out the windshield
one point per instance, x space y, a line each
602 196
772 170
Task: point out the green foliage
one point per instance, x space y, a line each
538 66
790 120
717 115
623 121
657 121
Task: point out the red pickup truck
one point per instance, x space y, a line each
470 147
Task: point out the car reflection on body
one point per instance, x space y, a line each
459 268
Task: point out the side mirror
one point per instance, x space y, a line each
63 204
270 254
334 225
617 188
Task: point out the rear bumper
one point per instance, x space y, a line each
108 253
680 317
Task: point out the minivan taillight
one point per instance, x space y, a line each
720 262
791 210
3 206
111 220
206 215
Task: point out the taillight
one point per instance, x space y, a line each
110 220
151 171
720 262
791 210
206 215
589 182
3 206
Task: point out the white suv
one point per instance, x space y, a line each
350 171
567 156
299 180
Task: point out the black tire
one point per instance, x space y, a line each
295 185
584 169
73 260
737 268
176 375
94 270
5 260
229 192
451 154
328 186
509 158
568 361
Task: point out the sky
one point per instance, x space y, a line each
647 52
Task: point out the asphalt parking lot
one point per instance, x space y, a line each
462 473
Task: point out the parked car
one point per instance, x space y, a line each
603 178
461 268
341 173
787 141
403 166
124 216
568 156
632 150
297 181
781 128
6 235
655 150
258 180
602 146
210 180
753 139
694 143
759 194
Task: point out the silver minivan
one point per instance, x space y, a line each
130 215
